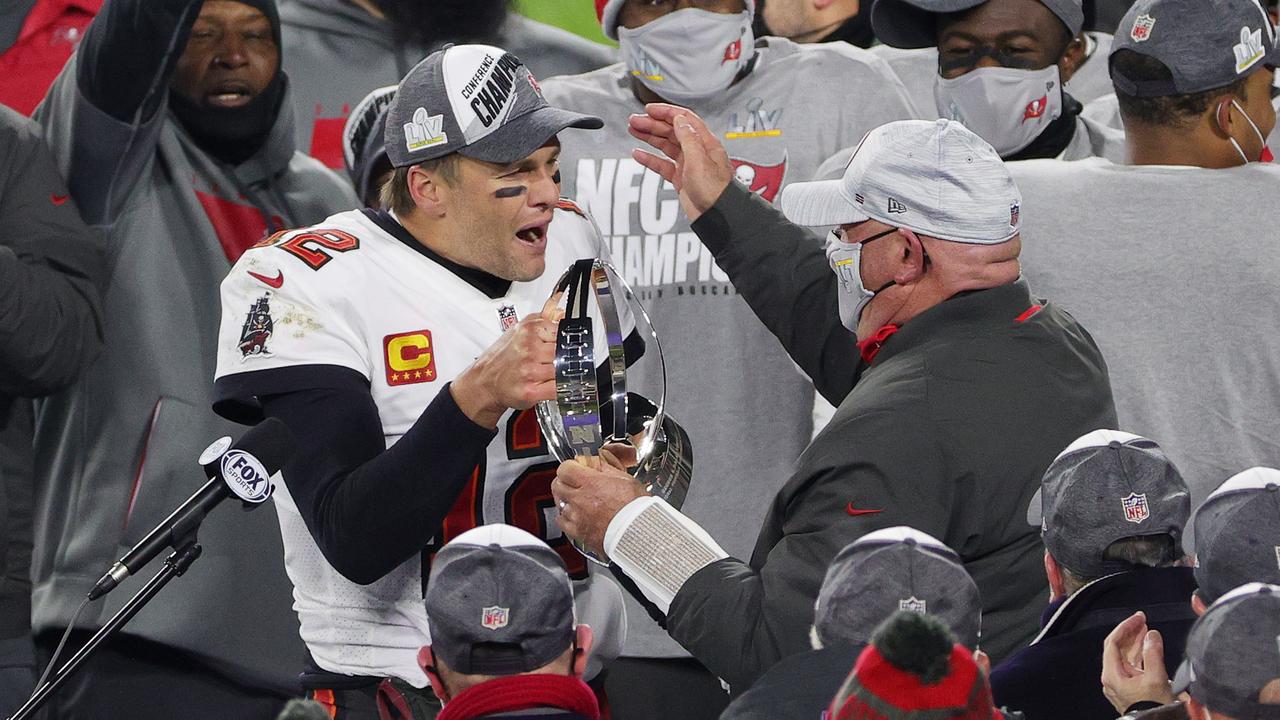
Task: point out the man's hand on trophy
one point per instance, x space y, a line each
590 491
515 372
696 162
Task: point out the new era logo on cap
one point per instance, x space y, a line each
896 207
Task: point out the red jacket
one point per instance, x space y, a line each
50 34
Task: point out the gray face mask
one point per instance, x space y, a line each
1007 107
845 259
690 54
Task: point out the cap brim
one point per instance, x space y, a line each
1182 678
518 138
819 203
1035 511
912 25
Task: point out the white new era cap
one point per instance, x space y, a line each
934 177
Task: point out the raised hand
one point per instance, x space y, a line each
696 162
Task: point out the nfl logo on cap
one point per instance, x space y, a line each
495 617
1142 25
1135 507
912 604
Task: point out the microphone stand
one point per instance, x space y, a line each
174 566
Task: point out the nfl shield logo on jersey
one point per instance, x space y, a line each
1135 507
912 604
495 617
507 314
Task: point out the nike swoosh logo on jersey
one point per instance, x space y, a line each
57 199
855 511
274 282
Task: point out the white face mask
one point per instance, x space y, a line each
845 259
1266 155
1006 107
690 54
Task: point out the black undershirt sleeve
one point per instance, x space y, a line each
369 507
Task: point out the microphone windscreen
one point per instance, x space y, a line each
303 710
271 442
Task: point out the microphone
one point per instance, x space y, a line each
244 469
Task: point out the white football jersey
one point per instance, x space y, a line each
347 292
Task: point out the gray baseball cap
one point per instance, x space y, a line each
1106 486
364 139
499 602
1205 44
897 568
1235 533
914 23
935 177
1233 652
476 100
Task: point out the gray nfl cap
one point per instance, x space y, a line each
914 23
935 177
499 602
364 144
1233 652
897 568
1205 44
1235 533
1106 486
476 100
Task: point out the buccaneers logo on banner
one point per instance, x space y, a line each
763 180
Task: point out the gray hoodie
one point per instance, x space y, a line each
336 52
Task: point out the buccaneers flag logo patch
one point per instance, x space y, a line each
763 180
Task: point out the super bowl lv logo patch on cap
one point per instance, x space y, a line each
409 357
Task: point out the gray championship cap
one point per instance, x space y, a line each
935 177
499 602
914 23
897 568
476 100
364 138
1106 486
1233 652
1205 44
1235 533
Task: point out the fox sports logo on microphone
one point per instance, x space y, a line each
247 477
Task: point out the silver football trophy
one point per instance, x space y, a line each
593 409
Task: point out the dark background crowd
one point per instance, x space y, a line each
1102 544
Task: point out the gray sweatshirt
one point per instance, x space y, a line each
1174 271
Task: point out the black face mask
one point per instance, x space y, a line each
232 135
431 22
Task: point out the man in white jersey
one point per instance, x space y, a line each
1168 259
781 109
1001 68
391 342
